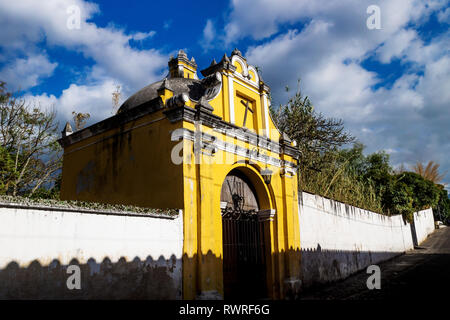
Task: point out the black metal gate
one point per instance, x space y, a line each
244 269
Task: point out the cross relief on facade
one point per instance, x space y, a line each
247 108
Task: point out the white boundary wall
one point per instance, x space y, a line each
56 237
424 224
338 239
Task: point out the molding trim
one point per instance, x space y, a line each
183 113
221 126
255 82
266 215
231 98
212 142
266 115
180 113
245 71
115 121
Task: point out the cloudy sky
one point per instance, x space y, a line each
390 85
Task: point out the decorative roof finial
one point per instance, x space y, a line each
67 131
182 54
213 62
225 58
236 52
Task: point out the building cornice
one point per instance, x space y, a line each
210 120
210 144
224 64
115 121
202 113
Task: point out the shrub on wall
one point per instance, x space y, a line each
398 199
347 175
425 194
442 210
80 205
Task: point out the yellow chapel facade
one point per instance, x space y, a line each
209 148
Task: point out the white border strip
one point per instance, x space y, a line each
231 98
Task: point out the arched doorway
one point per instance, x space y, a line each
244 265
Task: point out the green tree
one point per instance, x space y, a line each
30 154
397 198
347 175
408 192
7 173
442 210
425 193
317 137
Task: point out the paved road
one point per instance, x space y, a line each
422 273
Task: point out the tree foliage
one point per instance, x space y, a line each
397 198
317 137
425 193
7 173
349 176
29 153
429 172
80 119
442 210
116 94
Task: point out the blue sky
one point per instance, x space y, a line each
391 86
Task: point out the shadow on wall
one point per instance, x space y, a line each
140 279
323 266
280 278
137 279
288 275
412 225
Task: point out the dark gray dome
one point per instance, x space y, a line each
192 87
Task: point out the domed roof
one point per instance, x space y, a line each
192 87
206 88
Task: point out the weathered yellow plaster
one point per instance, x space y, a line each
132 162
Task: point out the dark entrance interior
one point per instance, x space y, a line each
243 240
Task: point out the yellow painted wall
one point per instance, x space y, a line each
252 74
125 165
203 223
132 165
239 68
189 71
251 121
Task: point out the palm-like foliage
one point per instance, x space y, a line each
429 172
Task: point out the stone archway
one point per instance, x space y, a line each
243 236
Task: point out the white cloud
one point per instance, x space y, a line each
24 73
139 36
262 18
27 25
209 35
24 23
410 117
444 16
395 46
95 99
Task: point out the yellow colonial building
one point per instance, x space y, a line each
210 148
